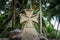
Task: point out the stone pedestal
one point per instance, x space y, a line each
29 34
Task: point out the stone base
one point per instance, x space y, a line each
30 34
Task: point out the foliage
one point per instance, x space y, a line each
49 11
36 27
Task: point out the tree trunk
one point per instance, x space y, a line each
40 18
13 16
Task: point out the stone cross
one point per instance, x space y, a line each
29 32
29 18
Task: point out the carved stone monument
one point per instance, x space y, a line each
29 32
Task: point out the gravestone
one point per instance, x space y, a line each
29 32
